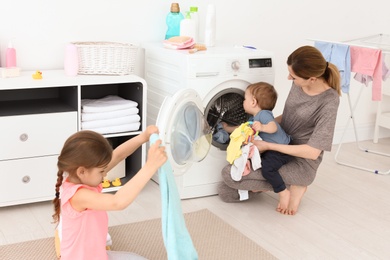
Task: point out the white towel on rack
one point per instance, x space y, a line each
110 122
117 128
108 103
85 116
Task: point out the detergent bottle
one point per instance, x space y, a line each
195 17
188 27
173 20
10 56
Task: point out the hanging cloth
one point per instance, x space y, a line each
339 55
177 240
368 61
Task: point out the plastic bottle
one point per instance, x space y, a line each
10 56
173 20
209 37
188 27
195 17
71 62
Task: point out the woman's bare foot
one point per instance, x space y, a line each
296 194
284 198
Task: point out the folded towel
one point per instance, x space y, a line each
116 128
108 103
85 116
110 122
179 42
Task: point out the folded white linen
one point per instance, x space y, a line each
110 114
110 122
108 103
116 128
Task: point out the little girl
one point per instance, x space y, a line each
85 160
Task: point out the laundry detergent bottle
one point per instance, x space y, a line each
188 27
195 18
173 20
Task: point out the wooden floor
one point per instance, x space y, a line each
345 213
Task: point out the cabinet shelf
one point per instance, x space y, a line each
36 106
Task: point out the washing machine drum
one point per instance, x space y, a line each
191 135
226 107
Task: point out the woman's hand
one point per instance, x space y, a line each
261 145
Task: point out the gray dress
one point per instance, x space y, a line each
309 120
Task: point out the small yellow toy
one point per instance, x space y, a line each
117 182
37 75
106 183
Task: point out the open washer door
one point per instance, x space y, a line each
184 130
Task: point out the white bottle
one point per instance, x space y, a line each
195 17
209 37
188 27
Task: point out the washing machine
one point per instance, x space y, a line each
188 96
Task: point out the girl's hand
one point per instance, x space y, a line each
151 129
157 155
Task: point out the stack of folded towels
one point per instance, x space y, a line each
108 115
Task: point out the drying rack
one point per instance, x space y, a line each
378 41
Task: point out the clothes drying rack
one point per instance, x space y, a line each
378 41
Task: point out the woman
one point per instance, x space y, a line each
309 116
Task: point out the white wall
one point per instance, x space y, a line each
41 28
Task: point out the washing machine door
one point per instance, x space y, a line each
184 130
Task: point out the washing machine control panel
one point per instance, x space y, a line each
260 63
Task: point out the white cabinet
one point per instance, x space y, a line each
37 116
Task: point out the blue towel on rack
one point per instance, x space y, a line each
339 55
177 240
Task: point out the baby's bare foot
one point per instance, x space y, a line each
284 198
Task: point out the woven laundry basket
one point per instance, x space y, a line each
106 58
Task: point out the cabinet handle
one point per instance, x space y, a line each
26 179
23 137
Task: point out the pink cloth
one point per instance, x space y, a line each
84 233
368 61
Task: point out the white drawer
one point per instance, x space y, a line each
28 180
35 135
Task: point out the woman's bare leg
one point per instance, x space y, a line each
296 194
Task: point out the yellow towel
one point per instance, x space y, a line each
237 138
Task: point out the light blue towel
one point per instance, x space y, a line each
339 55
177 240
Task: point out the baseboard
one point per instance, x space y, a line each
364 132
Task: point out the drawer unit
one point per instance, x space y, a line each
28 180
35 135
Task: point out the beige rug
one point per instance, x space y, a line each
213 239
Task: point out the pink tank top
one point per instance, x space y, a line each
83 233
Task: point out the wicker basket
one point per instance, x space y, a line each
107 58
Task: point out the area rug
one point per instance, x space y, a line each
213 238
